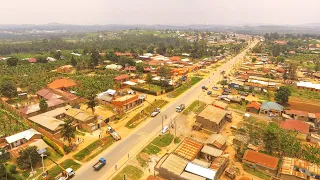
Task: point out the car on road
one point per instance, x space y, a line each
204 88
99 164
155 113
215 88
209 92
165 129
180 108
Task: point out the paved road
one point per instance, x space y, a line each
139 138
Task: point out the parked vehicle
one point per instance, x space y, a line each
215 88
66 174
184 78
272 115
209 92
164 129
204 88
113 133
155 113
180 108
99 164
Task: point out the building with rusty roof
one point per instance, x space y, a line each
262 161
189 149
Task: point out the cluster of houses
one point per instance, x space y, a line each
195 160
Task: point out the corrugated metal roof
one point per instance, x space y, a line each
174 164
217 140
27 134
189 149
211 151
200 171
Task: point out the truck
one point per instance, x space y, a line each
113 133
99 164
66 174
180 108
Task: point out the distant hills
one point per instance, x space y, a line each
311 28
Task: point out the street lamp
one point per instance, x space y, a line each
43 155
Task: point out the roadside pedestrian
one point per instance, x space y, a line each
115 167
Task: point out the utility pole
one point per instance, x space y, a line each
162 119
175 128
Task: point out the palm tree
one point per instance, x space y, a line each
43 105
68 131
92 103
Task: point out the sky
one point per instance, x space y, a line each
169 12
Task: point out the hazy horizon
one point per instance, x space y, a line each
160 12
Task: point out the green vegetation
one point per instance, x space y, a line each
185 86
241 107
133 122
101 143
28 157
304 94
130 172
151 149
196 107
53 145
282 94
177 140
163 140
87 150
53 155
277 141
68 131
56 170
10 123
256 172
152 87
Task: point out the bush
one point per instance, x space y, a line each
87 150
53 145
144 90
13 169
169 89
26 174
66 149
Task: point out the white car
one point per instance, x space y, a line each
155 113
164 129
272 115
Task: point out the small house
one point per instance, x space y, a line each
271 107
253 107
263 162
22 138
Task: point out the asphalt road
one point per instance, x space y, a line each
147 132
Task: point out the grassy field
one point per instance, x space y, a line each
10 124
130 172
56 170
163 140
152 87
241 107
104 143
137 119
185 86
196 107
305 94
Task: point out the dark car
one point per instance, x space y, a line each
209 92
204 88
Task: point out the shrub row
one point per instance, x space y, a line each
144 90
53 145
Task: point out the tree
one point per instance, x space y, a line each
254 60
94 60
28 158
57 54
41 59
12 61
73 62
43 105
92 103
68 131
292 71
164 72
149 78
282 94
8 89
140 67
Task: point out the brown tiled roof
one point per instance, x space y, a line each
121 77
130 68
62 83
254 104
261 159
189 149
297 125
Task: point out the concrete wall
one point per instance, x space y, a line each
209 125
